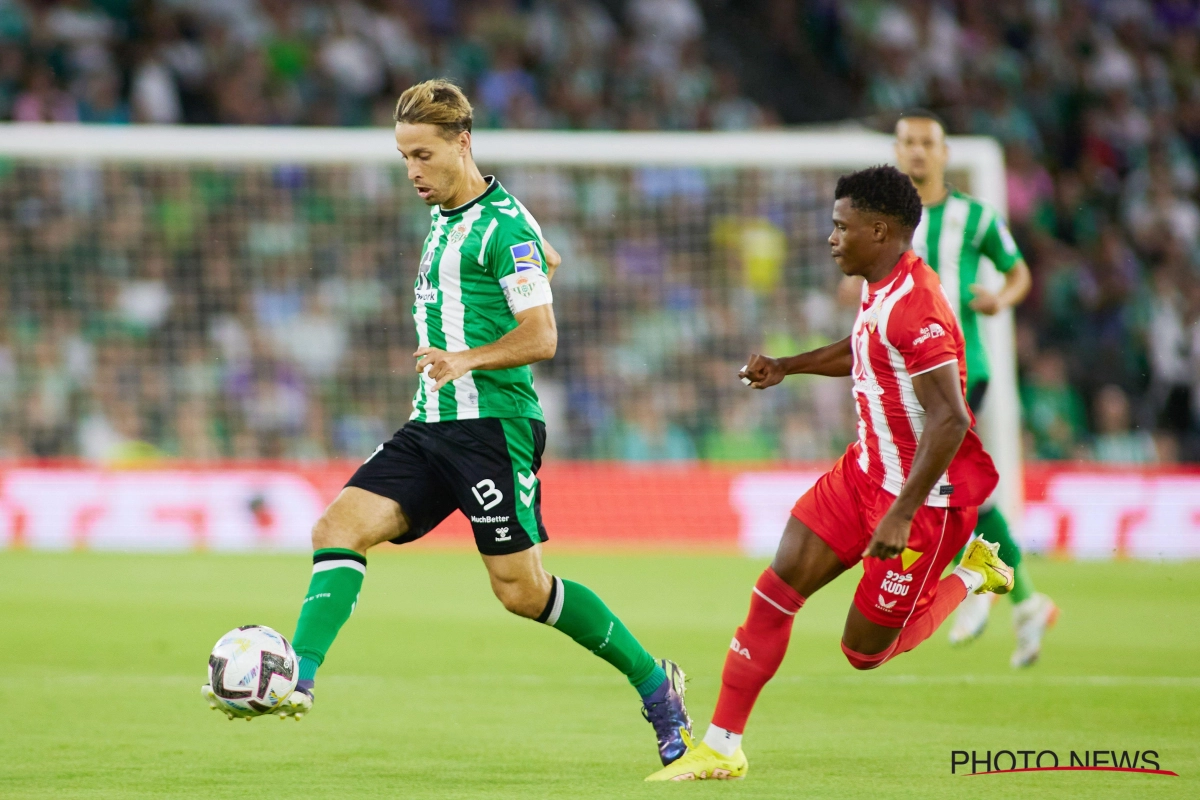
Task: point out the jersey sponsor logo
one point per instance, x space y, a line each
426 292
526 256
886 606
488 520
897 583
736 647
487 494
930 331
502 535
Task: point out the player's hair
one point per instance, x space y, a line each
884 190
922 113
435 102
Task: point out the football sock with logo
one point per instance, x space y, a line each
578 612
993 527
951 591
332 594
756 652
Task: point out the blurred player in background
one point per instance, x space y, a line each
956 230
902 499
483 312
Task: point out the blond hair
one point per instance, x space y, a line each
436 102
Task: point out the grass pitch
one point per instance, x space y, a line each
433 691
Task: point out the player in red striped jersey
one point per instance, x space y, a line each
903 499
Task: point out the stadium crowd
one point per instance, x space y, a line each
208 313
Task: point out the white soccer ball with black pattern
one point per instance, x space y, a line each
252 670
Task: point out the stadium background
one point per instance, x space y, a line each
193 315
194 355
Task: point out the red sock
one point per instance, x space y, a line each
757 650
951 591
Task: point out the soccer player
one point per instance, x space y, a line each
956 230
475 438
903 497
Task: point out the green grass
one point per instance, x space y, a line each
433 691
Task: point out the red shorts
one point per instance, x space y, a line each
843 509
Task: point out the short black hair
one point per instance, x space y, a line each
884 190
922 113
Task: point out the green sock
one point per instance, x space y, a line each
994 528
332 594
575 610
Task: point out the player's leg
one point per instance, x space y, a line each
900 601
803 564
354 522
494 464
1033 612
522 584
394 495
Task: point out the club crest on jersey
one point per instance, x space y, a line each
526 256
457 234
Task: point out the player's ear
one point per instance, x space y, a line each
464 141
879 230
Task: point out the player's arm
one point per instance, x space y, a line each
534 339
1017 283
833 361
946 423
998 245
553 259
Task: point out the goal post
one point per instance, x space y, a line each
977 160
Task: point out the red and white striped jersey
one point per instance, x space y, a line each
906 328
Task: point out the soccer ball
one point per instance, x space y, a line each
252 670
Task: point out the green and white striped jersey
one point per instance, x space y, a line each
952 237
482 263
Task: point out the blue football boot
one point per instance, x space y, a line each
666 712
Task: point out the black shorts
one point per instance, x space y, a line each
486 468
975 393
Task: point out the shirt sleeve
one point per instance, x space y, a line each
922 329
998 244
518 263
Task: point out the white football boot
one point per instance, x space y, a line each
295 705
971 618
1032 617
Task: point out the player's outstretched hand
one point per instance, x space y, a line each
761 372
890 537
441 366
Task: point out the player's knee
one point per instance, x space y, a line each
325 534
519 598
863 661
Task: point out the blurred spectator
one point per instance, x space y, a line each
1115 441
647 435
1054 411
279 295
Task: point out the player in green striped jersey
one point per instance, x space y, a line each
955 233
483 312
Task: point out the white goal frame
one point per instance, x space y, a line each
980 157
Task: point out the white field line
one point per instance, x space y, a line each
1063 681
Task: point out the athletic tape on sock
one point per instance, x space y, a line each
554 604
325 566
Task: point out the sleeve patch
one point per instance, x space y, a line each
526 257
526 289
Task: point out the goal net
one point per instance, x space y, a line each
242 293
